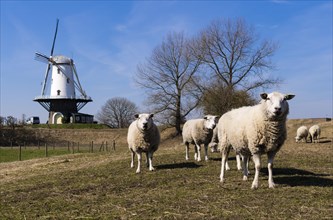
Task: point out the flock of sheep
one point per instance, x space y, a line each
303 133
251 131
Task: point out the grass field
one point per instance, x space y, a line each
103 186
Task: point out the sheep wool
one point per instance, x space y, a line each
143 136
253 131
301 134
198 132
314 133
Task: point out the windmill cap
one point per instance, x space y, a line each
61 59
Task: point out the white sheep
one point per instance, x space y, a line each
214 148
314 133
301 133
143 136
214 142
197 132
255 130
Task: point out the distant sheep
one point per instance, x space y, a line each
301 134
314 133
255 130
197 132
143 136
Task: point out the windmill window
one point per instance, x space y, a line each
58 71
58 92
67 80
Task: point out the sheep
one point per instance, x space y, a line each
143 136
197 132
314 133
214 142
253 131
214 148
302 133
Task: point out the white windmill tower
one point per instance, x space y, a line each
63 100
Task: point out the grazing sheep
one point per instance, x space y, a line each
255 130
314 133
302 133
197 132
143 136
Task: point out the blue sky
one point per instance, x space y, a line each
108 39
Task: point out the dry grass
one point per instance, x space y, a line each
102 186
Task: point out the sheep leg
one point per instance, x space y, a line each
132 158
138 170
239 165
187 150
256 160
147 159
150 159
197 155
206 152
225 153
227 164
245 160
270 156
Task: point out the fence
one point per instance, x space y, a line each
46 149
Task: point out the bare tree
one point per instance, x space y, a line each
218 99
117 112
169 76
232 51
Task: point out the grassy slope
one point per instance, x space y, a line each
102 186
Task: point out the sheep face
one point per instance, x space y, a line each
276 104
144 121
210 122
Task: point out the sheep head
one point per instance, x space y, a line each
144 121
276 104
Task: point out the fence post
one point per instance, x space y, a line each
46 151
73 147
114 145
20 153
68 146
78 147
102 146
38 145
106 146
92 146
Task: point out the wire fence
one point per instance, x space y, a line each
25 151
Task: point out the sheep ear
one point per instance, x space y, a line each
151 115
263 96
136 115
205 117
289 96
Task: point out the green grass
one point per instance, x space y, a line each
9 154
103 186
108 189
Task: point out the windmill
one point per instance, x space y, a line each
66 96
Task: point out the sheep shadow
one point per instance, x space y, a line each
219 159
297 177
185 165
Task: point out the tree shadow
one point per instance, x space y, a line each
297 177
178 166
